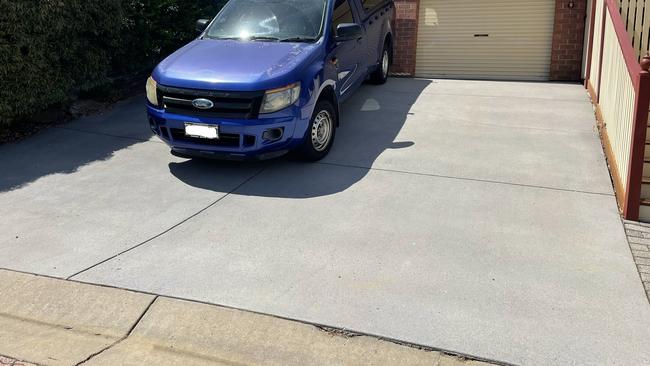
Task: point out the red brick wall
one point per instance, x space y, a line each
406 29
568 39
566 59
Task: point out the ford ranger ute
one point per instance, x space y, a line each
267 77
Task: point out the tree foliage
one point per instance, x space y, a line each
52 50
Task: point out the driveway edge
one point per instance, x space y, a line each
73 323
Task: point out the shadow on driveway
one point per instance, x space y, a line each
371 121
64 149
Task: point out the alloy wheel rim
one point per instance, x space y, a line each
384 64
321 131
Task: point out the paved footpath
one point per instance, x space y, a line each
46 321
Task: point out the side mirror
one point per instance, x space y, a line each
348 32
201 24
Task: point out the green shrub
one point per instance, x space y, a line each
52 50
153 29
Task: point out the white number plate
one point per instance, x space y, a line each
202 131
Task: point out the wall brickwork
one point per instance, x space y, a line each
568 39
406 30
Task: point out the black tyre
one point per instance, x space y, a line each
380 76
320 134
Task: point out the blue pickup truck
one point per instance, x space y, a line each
267 77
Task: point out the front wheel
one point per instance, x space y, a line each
320 135
380 76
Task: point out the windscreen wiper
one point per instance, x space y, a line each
221 38
261 38
298 39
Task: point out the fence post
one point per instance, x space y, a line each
602 48
590 45
637 149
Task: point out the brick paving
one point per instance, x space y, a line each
638 235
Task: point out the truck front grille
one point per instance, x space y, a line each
227 104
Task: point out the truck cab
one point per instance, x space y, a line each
267 77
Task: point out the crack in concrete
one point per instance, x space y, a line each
347 334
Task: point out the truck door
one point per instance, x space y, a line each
372 15
348 56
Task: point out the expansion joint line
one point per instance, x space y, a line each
135 324
171 228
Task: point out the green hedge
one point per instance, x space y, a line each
53 50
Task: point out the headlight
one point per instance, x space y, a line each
152 92
280 98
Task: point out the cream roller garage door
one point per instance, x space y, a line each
485 39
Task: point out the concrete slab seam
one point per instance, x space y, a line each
106 134
492 96
573 101
170 228
135 324
555 130
468 179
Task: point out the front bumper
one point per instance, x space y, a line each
240 139
192 153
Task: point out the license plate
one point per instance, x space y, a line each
202 131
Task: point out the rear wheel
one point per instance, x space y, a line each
320 135
380 76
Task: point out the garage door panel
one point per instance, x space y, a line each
505 39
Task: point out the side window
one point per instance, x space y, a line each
342 13
369 5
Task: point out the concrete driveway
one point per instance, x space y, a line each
474 217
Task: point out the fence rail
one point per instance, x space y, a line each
620 87
636 17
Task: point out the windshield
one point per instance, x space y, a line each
280 20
